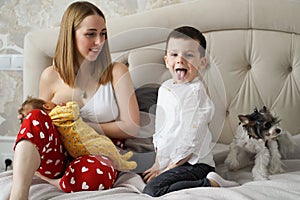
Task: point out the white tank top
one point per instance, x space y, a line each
102 107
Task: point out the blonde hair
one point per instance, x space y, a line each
65 58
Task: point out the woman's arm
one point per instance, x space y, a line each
128 124
48 77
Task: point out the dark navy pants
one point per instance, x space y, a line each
178 178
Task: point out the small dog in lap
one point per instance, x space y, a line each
259 138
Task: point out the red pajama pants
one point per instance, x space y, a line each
84 173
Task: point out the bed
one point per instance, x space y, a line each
254 60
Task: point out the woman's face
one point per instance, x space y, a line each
90 37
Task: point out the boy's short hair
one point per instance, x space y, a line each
188 32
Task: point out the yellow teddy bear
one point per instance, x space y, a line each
80 139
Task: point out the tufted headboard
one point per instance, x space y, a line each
253 50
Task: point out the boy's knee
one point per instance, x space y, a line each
150 190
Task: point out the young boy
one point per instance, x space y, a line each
182 138
78 137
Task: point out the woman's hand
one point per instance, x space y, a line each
20 114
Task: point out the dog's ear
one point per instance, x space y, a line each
245 119
255 110
264 109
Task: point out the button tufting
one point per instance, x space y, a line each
290 69
249 67
227 113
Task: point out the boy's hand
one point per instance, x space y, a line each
150 174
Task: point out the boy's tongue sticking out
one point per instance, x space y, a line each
180 73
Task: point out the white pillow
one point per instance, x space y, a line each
296 153
143 142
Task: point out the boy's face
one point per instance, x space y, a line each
183 59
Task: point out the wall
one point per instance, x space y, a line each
18 17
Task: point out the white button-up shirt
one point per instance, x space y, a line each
181 125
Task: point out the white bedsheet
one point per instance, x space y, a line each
130 185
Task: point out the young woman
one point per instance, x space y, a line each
82 72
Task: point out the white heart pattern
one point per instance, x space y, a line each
84 186
57 173
77 161
22 131
72 181
49 150
101 187
42 135
47 125
27 117
84 169
112 168
49 161
99 171
63 184
57 162
72 170
103 163
29 135
35 123
90 161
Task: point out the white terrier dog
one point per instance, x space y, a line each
259 138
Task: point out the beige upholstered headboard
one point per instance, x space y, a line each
253 48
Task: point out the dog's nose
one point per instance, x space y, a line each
277 130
